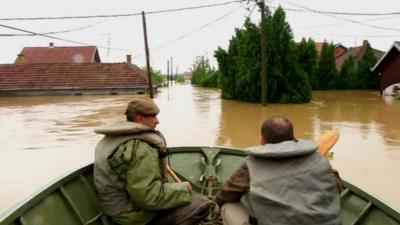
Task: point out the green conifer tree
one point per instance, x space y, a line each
367 80
326 73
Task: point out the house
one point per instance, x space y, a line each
388 70
342 53
72 78
52 54
339 48
187 76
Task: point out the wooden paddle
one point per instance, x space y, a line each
172 173
325 143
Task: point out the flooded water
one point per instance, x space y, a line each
44 137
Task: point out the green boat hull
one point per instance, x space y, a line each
72 199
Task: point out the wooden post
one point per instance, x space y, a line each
176 72
168 73
146 47
172 72
264 85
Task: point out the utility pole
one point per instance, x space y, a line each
146 47
168 73
172 72
264 86
176 72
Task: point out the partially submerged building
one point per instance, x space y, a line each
342 53
388 70
69 71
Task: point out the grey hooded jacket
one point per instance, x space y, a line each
291 183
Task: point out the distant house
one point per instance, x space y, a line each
72 78
187 76
339 48
342 53
52 54
388 70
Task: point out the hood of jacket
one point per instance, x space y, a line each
122 128
284 149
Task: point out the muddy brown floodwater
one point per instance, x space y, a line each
43 138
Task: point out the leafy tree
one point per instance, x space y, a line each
326 73
179 79
156 76
203 74
210 79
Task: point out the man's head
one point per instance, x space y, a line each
276 129
144 111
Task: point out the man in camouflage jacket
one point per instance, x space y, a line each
130 173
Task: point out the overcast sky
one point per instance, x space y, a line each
185 34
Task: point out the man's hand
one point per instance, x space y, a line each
188 186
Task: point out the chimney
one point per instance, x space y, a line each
51 45
129 59
21 60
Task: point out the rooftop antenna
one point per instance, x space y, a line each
108 44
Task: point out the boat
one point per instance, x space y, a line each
72 199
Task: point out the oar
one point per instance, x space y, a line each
326 141
172 173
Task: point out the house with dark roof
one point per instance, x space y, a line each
342 53
357 53
53 54
69 71
72 79
388 70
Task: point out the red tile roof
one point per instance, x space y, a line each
71 76
51 54
318 46
356 52
339 50
342 53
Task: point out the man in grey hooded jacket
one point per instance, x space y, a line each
284 181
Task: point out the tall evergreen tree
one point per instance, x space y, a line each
287 81
326 73
308 59
347 75
367 80
227 71
240 66
248 67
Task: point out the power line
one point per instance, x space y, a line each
346 19
194 31
339 23
123 15
61 39
53 32
359 36
31 33
345 13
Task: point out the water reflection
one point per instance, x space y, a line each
43 137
